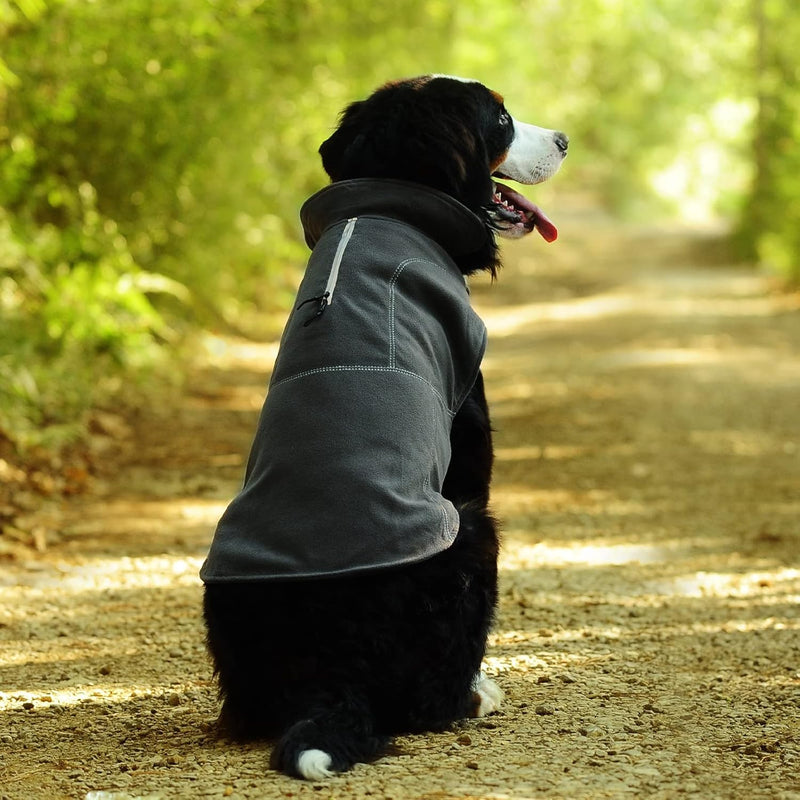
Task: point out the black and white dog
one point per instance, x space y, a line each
352 583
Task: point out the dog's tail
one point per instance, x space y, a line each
333 737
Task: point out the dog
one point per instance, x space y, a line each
351 585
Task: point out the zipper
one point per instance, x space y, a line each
326 298
337 259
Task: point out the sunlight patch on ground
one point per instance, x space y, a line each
536 452
781 582
643 300
592 555
230 398
517 389
522 662
660 357
202 511
104 693
508 320
128 518
728 584
230 352
741 442
511 499
143 572
67 649
543 641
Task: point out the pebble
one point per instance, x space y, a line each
647 772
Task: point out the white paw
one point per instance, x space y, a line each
314 765
488 695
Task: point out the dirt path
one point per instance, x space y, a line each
648 431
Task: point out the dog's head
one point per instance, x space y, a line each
453 135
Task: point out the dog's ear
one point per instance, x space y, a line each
404 133
346 144
372 137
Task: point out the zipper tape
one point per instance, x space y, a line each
333 277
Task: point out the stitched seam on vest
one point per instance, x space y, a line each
392 283
367 368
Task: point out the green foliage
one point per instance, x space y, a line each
637 85
769 228
154 153
76 310
152 149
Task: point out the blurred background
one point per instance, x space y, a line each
154 154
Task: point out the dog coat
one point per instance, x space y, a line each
353 442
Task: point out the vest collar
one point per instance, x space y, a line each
438 215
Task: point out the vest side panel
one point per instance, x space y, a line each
337 491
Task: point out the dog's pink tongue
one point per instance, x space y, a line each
546 229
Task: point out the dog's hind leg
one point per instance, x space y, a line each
470 471
337 733
486 695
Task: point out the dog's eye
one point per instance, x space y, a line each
505 119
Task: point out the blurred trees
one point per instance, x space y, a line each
153 156
769 226
645 88
154 153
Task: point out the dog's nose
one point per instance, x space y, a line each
562 141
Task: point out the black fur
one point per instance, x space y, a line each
443 133
341 665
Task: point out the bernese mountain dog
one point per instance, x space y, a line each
351 584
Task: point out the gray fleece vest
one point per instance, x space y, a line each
353 443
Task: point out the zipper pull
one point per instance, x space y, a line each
322 300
